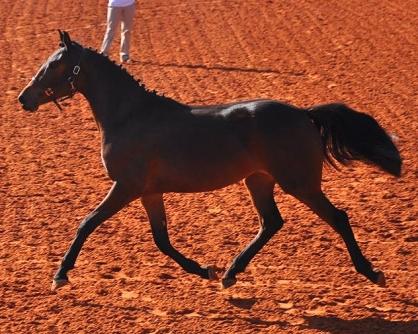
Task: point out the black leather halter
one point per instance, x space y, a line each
70 80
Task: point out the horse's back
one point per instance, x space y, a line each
265 126
238 110
269 114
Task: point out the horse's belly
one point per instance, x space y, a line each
202 173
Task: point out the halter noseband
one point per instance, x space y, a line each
71 79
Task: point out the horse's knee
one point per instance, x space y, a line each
163 244
339 221
165 249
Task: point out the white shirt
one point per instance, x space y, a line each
120 3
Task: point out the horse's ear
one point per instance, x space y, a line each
65 39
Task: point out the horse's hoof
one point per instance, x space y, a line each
381 281
58 283
228 282
213 272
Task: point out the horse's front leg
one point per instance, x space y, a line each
117 198
154 206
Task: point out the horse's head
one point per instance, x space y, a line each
55 79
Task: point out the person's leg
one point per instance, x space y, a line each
114 15
128 15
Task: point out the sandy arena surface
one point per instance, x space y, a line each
363 53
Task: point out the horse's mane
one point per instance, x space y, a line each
129 78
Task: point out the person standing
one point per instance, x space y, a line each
119 13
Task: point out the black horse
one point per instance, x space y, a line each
152 145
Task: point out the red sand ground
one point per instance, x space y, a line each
304 52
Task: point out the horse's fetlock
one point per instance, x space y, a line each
364 268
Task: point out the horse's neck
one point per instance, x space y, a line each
112 93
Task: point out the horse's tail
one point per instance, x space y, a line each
351 135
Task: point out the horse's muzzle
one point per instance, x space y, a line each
26 104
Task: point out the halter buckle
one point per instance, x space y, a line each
76 70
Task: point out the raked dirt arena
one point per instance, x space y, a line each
362 53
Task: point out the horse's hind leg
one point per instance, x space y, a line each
261 188
154 207
338 220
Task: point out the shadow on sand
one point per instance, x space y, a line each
336 325
244 303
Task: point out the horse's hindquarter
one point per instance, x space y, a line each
290 146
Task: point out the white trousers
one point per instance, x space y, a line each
123 17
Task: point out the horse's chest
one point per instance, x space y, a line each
121 161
